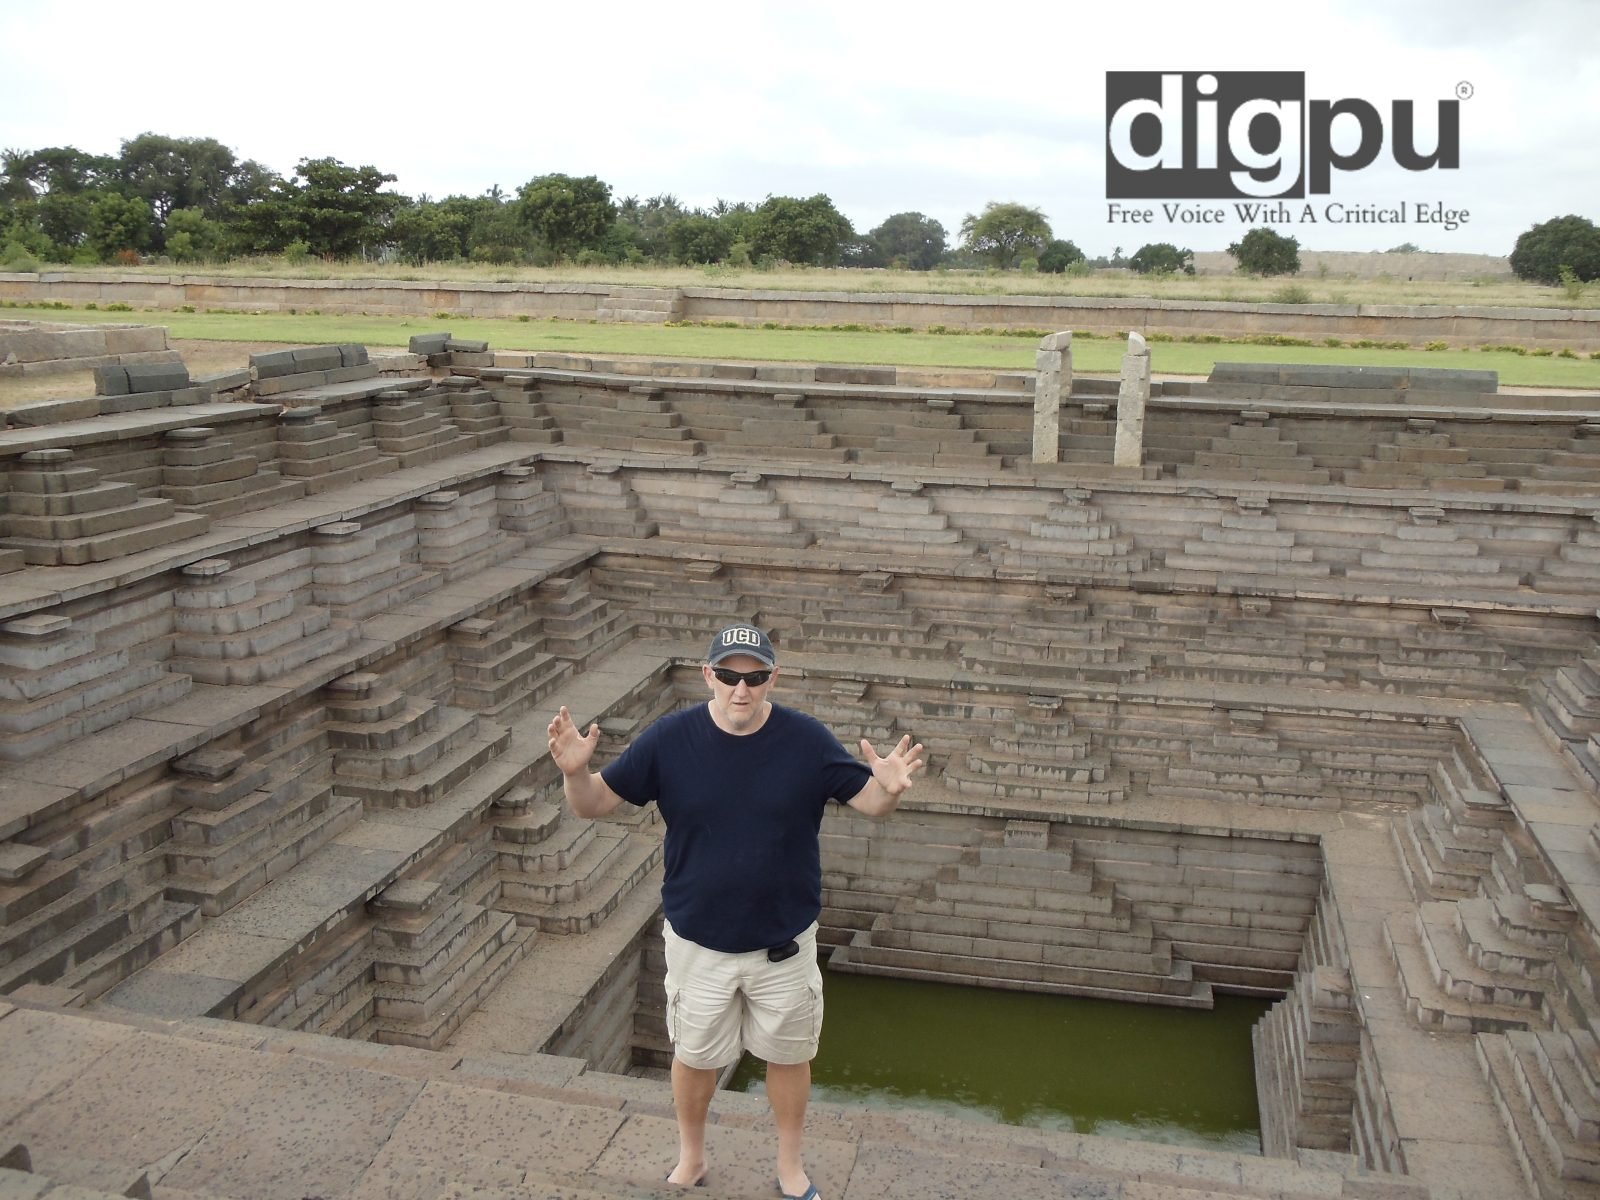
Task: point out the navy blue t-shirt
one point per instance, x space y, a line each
744 867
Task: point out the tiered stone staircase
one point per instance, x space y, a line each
354 576
1247 542
1576 566
1307 1050
58 514
935 437
1547 1086
672 598
523 411
1428 550
1041 759
1570 470
474 412
200 472
435 957
246 825
57 685
1421 456
497 674
903 523
406 428
747 512
1073 538
314 451
578 626
1017 913
741 428
641 305
1245 761
394 751
600 503
1448 844
871 618
1254 451
637 420
230 631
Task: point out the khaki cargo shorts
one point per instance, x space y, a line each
721 1005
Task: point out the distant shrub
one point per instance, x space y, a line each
1292 293
15 257
1437 346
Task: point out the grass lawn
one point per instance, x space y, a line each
1312 285
979 351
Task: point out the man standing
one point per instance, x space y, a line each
742 784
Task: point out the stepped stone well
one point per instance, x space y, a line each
1365 795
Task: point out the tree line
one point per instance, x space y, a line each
192 200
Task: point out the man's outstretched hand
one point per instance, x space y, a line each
570 749
895 771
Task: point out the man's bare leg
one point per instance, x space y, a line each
788 1090
692 1089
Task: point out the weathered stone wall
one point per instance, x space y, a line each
1457 325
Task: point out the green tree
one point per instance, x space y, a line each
171 173
1265 251
55 169
698 239
648 222
20 232
64 217
118 223
1003 232
1162 258
910 238
342 209
568 214
498 234
1058 255
192 236
1570 241
425 231
810 231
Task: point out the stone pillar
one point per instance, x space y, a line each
1132 396
1053 362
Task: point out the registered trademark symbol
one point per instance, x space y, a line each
1464 90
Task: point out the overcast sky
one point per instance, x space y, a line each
885 107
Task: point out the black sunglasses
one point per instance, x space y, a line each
734 678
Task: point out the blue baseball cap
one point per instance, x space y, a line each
742 639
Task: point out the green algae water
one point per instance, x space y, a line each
1180 1076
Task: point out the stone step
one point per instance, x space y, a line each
1133 940
551 910
324 816
1533 1122
423 774
1178 989
105 546
1458 975
1430 1006
890 933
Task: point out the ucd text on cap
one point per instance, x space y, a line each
742 639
